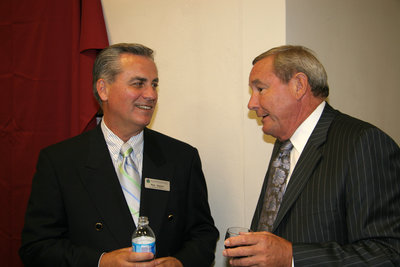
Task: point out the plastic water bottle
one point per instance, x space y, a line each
143 239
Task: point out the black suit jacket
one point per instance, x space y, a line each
77 209
342 203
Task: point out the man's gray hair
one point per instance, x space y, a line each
107 65
290 59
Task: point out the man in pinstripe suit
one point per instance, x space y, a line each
341 205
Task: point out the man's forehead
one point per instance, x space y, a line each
129 57
259 74
137 62
264 64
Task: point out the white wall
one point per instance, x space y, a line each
204 50
358 42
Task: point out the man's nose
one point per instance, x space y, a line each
150 92
253 102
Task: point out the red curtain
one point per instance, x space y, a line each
47 50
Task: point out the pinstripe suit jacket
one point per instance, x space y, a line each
342 204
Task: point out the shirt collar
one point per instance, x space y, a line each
303 132
115 143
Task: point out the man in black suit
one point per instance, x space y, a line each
78 214
339 200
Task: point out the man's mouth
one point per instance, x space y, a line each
265 115
145 107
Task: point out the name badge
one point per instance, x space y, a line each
156 184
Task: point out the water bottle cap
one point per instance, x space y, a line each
143 220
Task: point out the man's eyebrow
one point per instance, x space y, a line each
256 82
137 78
142 79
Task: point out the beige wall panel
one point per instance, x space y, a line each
204 50
358 42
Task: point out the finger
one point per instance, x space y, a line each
141 256
128 249
246 233
242 240
242 251
145 264
168 261
243 261
160 261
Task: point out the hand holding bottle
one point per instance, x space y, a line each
125 256
143 239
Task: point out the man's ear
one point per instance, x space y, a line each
300 85
101 86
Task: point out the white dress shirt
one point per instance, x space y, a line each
301 135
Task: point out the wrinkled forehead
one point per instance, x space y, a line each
261 70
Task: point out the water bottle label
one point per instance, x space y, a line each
143 245
144 248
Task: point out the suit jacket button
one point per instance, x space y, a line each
98 226
170 217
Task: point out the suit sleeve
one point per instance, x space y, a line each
372 204
200 233
45 240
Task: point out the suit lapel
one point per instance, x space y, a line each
308 161
153 202
103 187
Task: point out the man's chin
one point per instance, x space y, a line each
145 123
268 131
142 120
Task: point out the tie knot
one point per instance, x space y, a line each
126 150
286 146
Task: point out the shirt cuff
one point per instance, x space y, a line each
98 263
